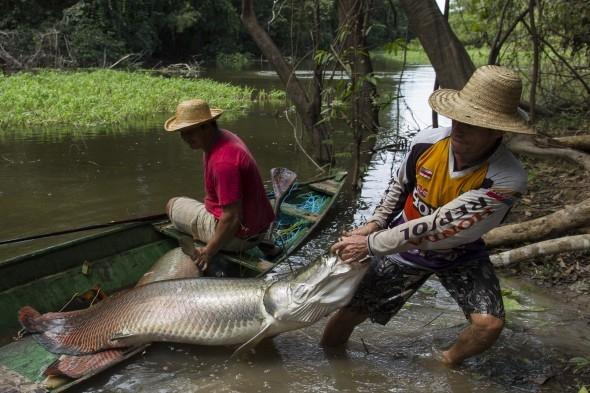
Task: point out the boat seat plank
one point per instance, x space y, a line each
292 210
328 186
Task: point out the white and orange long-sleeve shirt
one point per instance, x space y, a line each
434 216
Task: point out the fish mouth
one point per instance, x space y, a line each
329 288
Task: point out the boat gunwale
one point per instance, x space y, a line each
73 242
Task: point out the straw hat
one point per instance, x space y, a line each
489 99
191 113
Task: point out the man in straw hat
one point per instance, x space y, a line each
236 212
454 185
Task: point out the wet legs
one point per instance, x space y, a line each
481 333
340 327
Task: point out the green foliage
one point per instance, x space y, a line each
565 38
513 302
415 55
234 61
100 32
580 364
104 97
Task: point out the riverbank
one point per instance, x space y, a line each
553 184
416 55
97 97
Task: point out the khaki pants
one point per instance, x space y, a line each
190 216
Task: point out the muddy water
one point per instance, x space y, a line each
56 183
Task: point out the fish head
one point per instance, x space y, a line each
317 290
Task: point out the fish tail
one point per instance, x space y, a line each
29 319
79 366
62 332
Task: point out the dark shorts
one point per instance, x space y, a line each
389 283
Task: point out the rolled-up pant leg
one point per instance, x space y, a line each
190 216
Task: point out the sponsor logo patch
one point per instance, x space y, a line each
425 173
423 192
499 197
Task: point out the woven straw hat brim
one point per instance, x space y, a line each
449 103
172 124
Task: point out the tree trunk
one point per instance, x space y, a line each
308 109
353 21
536 54
569 217
446 53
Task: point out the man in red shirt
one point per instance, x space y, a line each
236 212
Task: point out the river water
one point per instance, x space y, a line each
50 180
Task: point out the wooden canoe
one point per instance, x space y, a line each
115 259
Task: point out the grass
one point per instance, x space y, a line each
415 55
100 97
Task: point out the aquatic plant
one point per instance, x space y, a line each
233 61
103 97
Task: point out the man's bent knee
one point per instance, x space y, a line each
169 205
487 325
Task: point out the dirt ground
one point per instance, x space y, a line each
552 184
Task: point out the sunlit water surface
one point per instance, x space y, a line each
54 182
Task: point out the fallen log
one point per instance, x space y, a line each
570 217
547 247
579 142
526 145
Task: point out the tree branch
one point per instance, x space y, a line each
563 60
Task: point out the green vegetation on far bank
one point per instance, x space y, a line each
415 54
90 98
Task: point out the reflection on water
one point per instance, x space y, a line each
50 184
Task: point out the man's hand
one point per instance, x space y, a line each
352 248
365 230
202 258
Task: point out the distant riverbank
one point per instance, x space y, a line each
416 55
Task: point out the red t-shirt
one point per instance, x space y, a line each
231 175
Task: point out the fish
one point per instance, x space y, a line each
173 264
201 311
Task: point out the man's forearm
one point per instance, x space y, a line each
390 203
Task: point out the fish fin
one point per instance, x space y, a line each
308 313
252 342
124 339
79 366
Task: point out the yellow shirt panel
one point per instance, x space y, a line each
434 185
